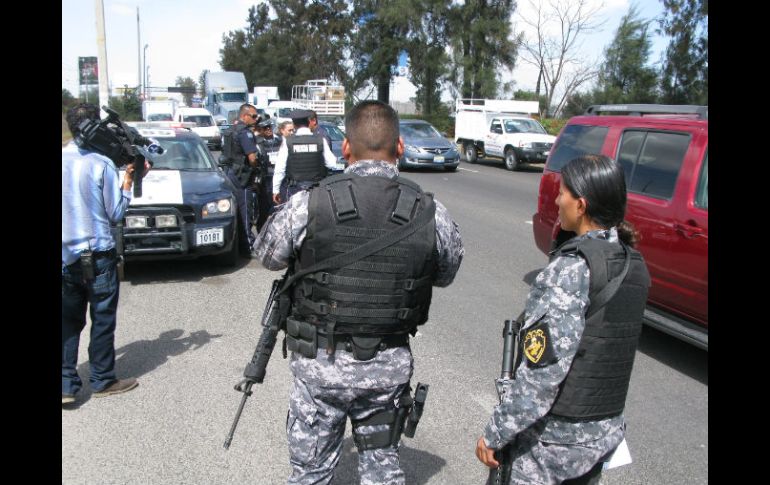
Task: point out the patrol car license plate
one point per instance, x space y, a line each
438 159
209 236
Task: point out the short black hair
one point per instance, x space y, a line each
79 113
372 126
245 108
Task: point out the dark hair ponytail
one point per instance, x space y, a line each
600 181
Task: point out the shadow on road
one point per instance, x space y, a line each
143 356
529 278
496 162
674 353
418 465
169 271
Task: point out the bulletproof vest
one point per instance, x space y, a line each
386 293
597 383
305 162
269 154
234 156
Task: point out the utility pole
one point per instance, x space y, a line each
138 54
101 43
144 70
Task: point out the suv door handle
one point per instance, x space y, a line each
690 231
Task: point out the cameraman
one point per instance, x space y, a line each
93 197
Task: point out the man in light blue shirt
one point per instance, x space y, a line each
93 197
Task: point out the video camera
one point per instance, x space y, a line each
116 140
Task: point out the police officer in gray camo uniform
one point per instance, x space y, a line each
349 328
563 412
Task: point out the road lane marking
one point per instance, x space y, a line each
527 222
467 170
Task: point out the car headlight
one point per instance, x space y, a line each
165 221
412 148
136 222
218 208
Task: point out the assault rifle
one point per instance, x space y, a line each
273 320
500 475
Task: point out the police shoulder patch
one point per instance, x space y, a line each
537 345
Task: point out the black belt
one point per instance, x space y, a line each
343 341
110 253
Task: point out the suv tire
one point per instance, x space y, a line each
469 150
511 162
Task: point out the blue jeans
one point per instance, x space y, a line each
102 295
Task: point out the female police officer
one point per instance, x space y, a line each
563 413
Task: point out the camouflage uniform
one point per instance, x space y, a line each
549 449
327 389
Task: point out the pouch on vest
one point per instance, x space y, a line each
301 337
365 348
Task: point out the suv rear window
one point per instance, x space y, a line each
651 161
576 140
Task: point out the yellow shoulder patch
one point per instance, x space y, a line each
535 342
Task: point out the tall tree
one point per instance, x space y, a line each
482 45
380 35
684 77
202 82
301 40
555 51
429 61
187 82
624 76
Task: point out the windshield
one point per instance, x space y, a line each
523 126
419 130
236 97
183 154
284 112
160 117
201 120
334 133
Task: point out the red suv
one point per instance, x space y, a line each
664 153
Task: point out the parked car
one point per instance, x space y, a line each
187 208
424 146
336 136
664 153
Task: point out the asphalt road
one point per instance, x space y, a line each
187 329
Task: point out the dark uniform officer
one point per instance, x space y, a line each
349 327
239 160
562 414
269 145
303 160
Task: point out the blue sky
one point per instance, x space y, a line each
184 36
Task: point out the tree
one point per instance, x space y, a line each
428 36
202 82
128 105
67 100
304 40
555 54
381 34
480 33
684 77
624 76
187 82
532 96
577 103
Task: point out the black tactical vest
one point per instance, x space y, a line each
383 294
597 383
270 149
234 156
305 162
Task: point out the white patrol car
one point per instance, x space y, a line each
187 208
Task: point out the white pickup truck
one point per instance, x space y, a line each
501 129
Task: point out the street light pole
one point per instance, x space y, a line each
144 70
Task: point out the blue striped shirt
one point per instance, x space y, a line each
91 199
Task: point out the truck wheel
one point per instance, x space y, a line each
469 149
511 162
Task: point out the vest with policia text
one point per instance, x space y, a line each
597 383
233 155
386 293
305 162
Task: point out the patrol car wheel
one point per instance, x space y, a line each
471 156
511 162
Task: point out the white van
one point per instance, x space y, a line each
205 127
